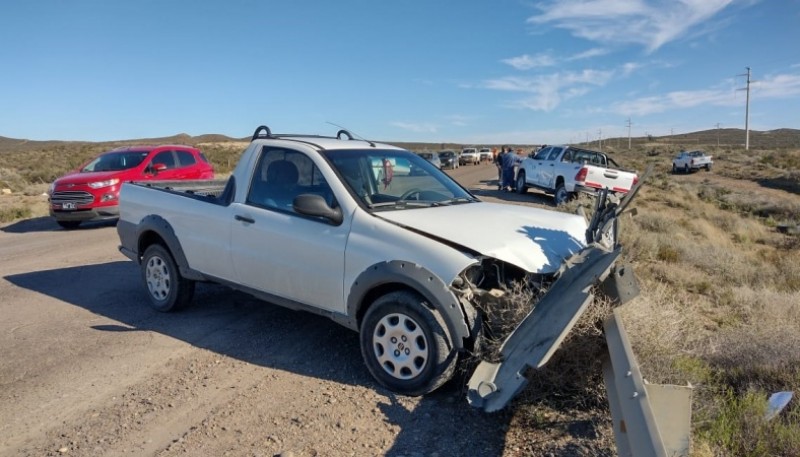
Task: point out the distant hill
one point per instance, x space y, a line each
771 139
22 145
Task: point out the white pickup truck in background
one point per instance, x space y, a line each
688 161
564 170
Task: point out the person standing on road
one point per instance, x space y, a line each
498 161
507 169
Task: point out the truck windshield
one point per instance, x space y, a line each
395 179
115 161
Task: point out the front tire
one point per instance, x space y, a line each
167 290
405 344
521 187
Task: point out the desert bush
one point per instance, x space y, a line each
738 428
14 213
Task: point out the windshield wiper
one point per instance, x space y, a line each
404 204
456 200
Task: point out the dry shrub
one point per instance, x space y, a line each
11 179
655 222
663 326
770 332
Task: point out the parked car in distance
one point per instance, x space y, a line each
486 154
449 159
687 161
470 156
432 158
92 191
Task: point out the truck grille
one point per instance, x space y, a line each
78 197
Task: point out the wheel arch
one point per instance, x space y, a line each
386 277
155 229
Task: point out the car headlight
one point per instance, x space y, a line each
51 189
106 183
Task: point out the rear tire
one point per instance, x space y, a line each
674 169
708 167
167 290
561 195
405 344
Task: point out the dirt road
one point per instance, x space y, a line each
88 369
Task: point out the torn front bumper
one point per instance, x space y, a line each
537 337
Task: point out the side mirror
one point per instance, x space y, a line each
154 168
315 205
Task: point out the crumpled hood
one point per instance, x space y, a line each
536 240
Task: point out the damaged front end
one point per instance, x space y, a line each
558 300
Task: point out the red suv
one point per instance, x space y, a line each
92 191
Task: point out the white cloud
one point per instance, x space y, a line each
459 120
779 86
547 91
417 128
594 52
650 23
630 67
526 62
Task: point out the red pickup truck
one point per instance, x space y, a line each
92 191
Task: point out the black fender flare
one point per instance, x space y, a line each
415 277
159 226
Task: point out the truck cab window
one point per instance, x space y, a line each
281 175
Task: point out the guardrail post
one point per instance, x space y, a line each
649 419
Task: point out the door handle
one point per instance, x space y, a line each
249 220
552 165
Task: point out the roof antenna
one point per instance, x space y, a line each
348 133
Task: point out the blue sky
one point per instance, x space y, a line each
465 71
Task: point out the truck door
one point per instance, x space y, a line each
547 168
278 251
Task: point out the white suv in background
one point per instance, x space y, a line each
470 156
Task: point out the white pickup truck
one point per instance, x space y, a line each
564 170
412 261
687 161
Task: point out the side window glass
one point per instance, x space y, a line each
542 155
166 158
281 175
185 158
554 154
567 156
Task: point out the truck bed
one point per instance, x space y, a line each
207 190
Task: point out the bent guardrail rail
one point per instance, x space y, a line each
648 419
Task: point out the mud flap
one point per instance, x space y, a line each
537 337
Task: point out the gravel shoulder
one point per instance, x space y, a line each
86 368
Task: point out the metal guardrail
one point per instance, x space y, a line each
648 419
